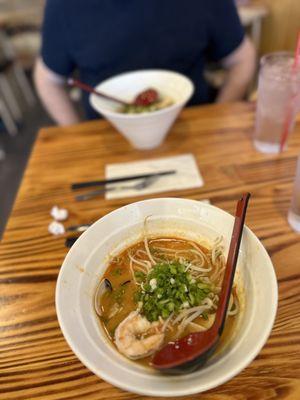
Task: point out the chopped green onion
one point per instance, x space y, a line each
168 288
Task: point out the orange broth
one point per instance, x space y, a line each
119 274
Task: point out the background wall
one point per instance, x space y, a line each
281 26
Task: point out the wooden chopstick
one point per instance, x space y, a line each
81 185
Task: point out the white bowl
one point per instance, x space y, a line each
147 130
86 263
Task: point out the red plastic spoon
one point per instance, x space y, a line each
192 351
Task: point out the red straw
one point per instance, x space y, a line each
289 114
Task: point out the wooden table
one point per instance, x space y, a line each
35 360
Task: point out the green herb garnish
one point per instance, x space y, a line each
118 294
140 276
117 271
168 288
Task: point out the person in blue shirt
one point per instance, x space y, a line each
98 39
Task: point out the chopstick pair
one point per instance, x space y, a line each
147 180
82 185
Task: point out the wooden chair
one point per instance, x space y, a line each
8 122
15 90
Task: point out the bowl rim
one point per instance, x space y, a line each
109 377
120 116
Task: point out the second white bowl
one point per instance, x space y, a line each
146 130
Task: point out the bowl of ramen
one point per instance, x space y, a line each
144 125
150 273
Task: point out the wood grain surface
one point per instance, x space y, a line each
35 360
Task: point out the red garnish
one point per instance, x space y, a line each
146 97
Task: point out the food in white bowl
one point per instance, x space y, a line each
87 264
144 130
161 289
150 100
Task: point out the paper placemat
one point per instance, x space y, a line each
187 176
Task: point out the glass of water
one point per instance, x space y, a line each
278 92
294 211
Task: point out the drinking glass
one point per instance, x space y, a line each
294 211
278 92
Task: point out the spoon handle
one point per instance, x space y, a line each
233 253
87 88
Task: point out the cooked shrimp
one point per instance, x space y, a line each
136 337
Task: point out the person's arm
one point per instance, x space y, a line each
52 92
240 66
56 63
229 45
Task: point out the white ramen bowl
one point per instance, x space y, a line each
146 130
87 260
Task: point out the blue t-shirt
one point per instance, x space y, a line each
102 38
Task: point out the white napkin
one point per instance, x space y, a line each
187 176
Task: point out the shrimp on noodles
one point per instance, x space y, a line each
136 337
